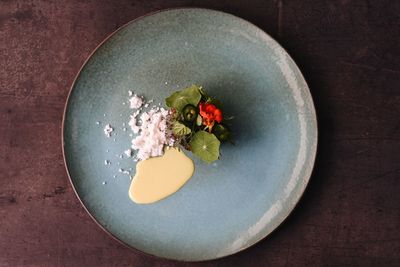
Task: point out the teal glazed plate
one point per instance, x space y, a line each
226 206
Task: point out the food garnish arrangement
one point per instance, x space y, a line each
192 121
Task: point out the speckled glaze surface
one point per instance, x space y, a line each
226 206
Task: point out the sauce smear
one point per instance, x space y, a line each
159 177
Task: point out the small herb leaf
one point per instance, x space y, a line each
180 129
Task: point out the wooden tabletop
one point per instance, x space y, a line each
349 52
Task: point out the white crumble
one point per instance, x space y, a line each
107 162
132 123
114 176
97 122
114 139
104 115
128 152
123 171
135 102
153 128
154 134
108 130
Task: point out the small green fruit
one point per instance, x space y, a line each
190 112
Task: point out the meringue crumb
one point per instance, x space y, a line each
108 130
154 133
135 102
128 152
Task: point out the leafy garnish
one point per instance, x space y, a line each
180 99
180 129
198 122
205 146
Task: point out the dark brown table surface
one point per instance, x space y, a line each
349 52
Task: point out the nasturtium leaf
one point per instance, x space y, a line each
205 145
180 99
180 129
170 101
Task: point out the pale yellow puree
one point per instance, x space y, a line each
157 178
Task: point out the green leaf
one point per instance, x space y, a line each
170 101
221 132
214 101
179 129
205 146
180 99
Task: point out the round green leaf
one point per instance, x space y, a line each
205 146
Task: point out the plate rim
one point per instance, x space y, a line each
313 152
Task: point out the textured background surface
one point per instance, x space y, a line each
349 53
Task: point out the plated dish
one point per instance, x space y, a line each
243 194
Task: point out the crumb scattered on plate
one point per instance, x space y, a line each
108 130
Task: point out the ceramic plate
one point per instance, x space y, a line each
226 206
